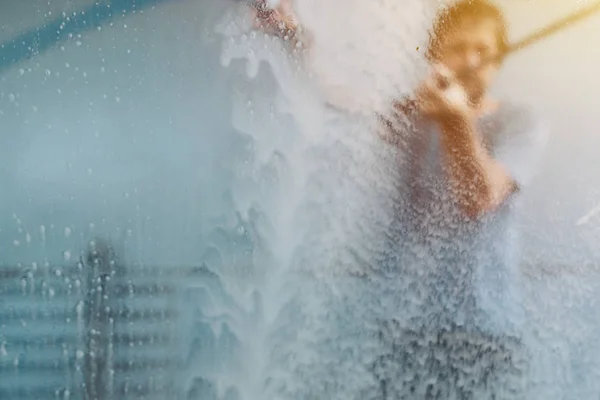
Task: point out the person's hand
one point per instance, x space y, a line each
441 96
279 21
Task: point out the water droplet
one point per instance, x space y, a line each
67 255
28 238
16 243
11 97
21 71
48 72
67 231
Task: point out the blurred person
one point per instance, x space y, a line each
470 158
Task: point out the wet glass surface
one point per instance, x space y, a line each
180 217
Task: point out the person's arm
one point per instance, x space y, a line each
480 183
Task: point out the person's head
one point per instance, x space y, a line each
465 36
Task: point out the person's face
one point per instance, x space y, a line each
468 48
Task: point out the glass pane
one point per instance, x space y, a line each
193 208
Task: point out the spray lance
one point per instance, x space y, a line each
534 38
266 6
552 28
408 105
265 9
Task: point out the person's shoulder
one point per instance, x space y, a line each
523 120
521 113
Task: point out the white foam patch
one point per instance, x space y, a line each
311 122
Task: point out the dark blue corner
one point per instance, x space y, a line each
48 36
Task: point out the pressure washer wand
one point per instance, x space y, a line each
443 82
553 28
542 34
